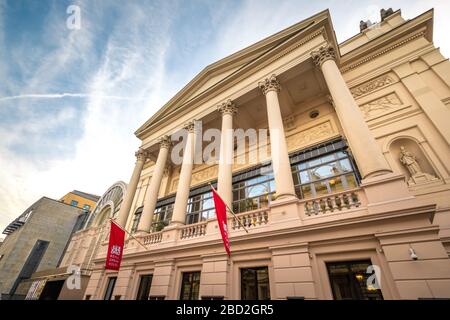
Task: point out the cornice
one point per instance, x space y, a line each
353 222
421 25
383 51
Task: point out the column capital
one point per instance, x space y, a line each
141 154
189 126
269 84
227 107
323 54
165 142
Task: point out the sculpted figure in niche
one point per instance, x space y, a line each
417 175
410 161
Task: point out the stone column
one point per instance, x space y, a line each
225 176
280 158
141 156
184 182
368 155
153 189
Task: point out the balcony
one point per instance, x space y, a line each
250 219
338 205
330 203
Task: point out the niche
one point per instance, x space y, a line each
412 161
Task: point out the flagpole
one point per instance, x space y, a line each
129 234
231 211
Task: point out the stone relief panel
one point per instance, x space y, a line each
381 105
372 85
205 174
310 135
202 175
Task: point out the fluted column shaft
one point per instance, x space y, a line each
225 175
184 182
284 183
155 183
124 211
368 156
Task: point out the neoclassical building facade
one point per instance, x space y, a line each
350 178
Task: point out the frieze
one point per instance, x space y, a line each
381 105
372 85
312 134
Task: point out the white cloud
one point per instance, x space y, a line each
123 92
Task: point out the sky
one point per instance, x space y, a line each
71 99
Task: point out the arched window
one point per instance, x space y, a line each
136 219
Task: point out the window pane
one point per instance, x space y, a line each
328 158
257 190
190 286
321 188
307 191
328 174
349 281
304 176
345 165
144 287
255 284
110 288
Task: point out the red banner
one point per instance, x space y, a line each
115 247
221 214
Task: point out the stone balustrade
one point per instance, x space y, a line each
154 237
193 230
332 202
250 219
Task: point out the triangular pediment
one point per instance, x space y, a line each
222 70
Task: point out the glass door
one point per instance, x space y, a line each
349 281
255 284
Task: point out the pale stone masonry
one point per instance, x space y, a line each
359 147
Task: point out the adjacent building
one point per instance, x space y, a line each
35 241
334 157
68 281
82 200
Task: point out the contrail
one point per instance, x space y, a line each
63 95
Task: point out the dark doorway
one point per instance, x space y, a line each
144 287
52 290
110 288
190 286
31 264
255 284
348 281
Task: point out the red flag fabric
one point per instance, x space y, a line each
115 247
221 214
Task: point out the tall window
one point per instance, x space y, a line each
110 288
200 207
190 286
162 217
253 193
255 284
136 219
322 175
144 287
348 281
